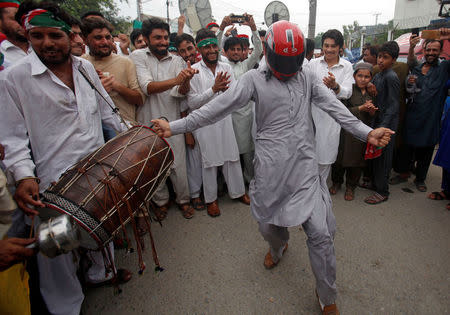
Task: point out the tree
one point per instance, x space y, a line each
318 40
107 7
352 32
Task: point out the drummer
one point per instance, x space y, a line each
51 118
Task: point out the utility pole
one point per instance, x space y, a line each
376 18
168 19
312 18
139 9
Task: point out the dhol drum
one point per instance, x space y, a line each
106 189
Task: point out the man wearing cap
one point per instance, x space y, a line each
287 190
51 118
243 116
15 46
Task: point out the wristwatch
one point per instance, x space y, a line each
336 87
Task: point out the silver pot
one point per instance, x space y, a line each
57 236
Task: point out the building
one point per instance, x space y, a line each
415 13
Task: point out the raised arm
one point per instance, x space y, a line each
253 59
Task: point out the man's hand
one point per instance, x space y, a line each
2 152
445 33
190 141
124 43
249 21
380 137
107 82
413 41
330 81
181 23
162 128
13 250
225 22
372 89
368 107
27 193
228 32
186 74
221 82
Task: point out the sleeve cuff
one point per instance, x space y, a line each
22 171
178 126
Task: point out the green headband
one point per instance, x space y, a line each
207 41
44 18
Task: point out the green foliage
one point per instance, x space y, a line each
318 40
107 7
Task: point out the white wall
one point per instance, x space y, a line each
415 13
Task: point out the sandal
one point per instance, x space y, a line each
349 194
375 199
366 184
397 179
197 203
334 188
448 207
437 195
160 212
420 186
187 210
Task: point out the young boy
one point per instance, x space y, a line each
350 159
388 88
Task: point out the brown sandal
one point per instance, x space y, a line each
334 188
375 199
160 212
349 194
187 210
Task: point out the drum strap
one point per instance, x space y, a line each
91 83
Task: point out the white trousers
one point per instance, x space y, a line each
232 173
194 170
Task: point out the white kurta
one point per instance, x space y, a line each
217 141
286 185
328 130
40 112
243 117
12 53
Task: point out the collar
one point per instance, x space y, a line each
339 64
168 56
37 67
6 44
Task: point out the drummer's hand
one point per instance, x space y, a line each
13 250
380 137
162 128
27 193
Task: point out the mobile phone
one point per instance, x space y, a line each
431 34
234 33
238 18
415 31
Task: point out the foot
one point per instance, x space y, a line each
366 184
161 212
268 260
330 309
397 179
244 199
197 203
420 185
187 210
437 195
123 276
334 188
448 207
349 194
213 209
375 199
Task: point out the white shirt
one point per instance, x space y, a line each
40 112
165 104
13 53
327 129
217 141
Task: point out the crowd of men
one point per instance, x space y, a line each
51 118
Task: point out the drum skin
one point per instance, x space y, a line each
105 189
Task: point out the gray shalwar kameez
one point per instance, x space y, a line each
286 190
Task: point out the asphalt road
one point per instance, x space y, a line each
392 258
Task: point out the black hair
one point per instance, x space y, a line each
231 42
391 48
154 23
310 45
184 37
374 50
135 35
172 37
262 33
52 7
429 41
75 22
244 41
92 23
95 13
204 33
335 35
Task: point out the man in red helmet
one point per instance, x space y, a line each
287 189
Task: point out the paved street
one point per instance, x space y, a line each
391 259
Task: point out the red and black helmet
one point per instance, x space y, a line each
284 48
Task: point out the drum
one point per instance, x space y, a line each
107 188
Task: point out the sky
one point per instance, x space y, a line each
330 13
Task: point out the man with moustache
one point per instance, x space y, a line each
423 114
51 118
164 78
137 39
217 142
15 46
77 42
